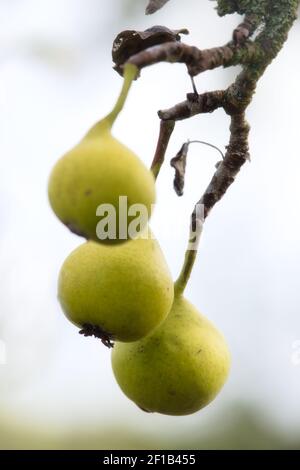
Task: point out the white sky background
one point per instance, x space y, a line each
56 80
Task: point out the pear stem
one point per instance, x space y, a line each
197 221
130 73
186 271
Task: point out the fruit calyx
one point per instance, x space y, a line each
97 332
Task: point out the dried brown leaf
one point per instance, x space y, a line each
130 42
179 164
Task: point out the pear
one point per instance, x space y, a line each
101 170
179 368
121 292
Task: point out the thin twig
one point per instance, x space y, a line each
195 104
165 132
203 142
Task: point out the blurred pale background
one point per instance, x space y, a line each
56 80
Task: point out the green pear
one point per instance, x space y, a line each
98 171
122 291
179 368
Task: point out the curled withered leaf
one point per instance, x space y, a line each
155 5
130 42
179 164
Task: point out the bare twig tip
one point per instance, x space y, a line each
155 5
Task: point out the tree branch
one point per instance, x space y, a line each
196 60
195 104
277 18
237 154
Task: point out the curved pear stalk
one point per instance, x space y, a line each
130 74
187 267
